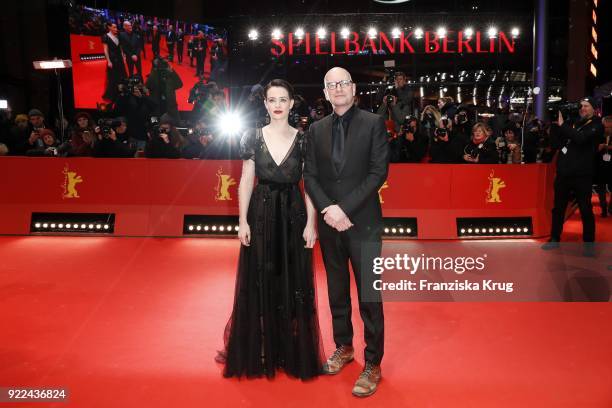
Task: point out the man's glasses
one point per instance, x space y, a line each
342 84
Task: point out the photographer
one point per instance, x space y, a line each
198 141
446 143
410 144
397 103
603 170
509 145
198 95
47 145
447 106
480 149
110 141
577 144
299 116
165 140
18 136
534 132
256 113
321 109
135 104
82 135
163 83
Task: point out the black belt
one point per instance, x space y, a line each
272 185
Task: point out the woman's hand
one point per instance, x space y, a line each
244 234
310 236
110 64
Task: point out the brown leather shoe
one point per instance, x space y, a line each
368 380
342 356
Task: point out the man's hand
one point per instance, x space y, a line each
560 119
134 58
410 137
336 218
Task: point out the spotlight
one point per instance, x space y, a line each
396 32
504 230
321 33
276 34
525 229
98 226
345 32
106 226
463 230
206 228
469 32
45 225
490 230
253 35
386 230
83 226
229 228
230 123
299 33
221 228
497 230
68 226
91 226
408 230
418 33
372 32
52 225
492 32
393 230
469 230
199 228
511 229
441 32
477 230
236 228
401 230
214 228
515 32
191 228
37 225
60 226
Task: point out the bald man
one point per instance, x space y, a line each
347 162
131 44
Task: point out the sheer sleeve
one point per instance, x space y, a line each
248 144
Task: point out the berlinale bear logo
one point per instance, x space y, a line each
495 184
71 179
224 182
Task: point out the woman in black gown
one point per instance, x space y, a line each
274 323
115 68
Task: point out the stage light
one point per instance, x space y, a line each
199 228
469 230
68 226
230 123
236 228
511 229
441 32
492 32
515 32
206 228
61 226
37 225
504 230
372 32
52 64
408 230
98 226
393 230
299 33
229 228
276 34
463 230
345 32
490 230
396 32
321 33
401 230
418 33
497 230
3 104
386 230
253 35
91 226
45 225
214 228
469 32
52 225
106 226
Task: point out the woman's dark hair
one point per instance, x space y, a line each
281 83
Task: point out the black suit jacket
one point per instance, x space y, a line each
364 171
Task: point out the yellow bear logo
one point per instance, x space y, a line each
495 184
71 179
380 197
224 182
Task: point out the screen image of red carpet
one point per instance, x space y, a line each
89 76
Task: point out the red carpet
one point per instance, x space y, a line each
89 78
135 322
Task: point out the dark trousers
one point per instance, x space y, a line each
179 52
199 63
338 249
170 51
581 187
131 64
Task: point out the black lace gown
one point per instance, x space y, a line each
274 323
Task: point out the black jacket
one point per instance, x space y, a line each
355 187
580 142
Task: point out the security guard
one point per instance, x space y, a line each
576 144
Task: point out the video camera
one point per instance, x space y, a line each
569 110
107 125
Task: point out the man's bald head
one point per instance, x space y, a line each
336 71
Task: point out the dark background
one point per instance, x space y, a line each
37 29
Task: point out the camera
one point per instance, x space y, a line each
440 133
569 110
444 121
106 126
462 117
